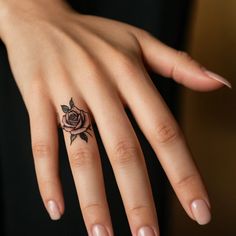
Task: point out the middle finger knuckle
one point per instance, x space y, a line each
81 157
125 152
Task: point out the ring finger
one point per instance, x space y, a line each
85 163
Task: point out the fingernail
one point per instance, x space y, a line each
99 230
146 231
218 78
53 210
201 212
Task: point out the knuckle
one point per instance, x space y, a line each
46 183
41 150
139 209
188 58
182 53
181 57
81 157
93 207
125 153
166 132
142 32
186 180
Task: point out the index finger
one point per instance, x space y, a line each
167 140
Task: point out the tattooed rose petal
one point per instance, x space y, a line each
76 121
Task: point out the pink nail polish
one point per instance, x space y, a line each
201 211
146 231
99 230
218 78
53 210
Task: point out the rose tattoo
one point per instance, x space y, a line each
76 121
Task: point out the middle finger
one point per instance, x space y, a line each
126 156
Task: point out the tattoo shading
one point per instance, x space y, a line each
75 121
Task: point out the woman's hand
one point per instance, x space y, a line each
76 69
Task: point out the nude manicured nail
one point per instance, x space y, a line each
53 210
99 230
218 78
201 212
146 231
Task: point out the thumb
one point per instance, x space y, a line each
177 64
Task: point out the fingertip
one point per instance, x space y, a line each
200 79
218 78
205 84
201 211
61 205
54 204
52 196
53 209
178 65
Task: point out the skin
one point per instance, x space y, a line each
55 54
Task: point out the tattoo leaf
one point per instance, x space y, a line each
83 136
72 137
89 127
71 103
65 108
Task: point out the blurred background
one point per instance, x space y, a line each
209 119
